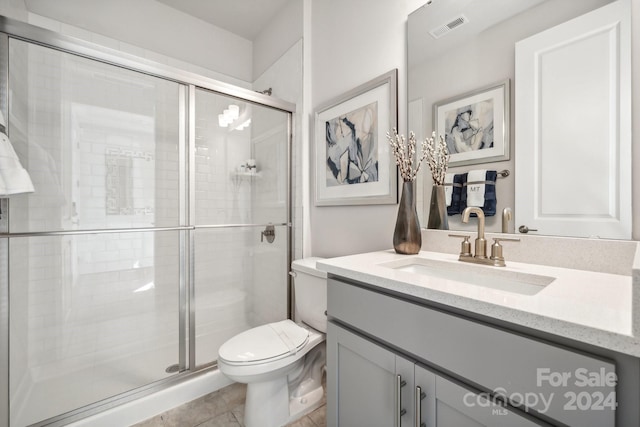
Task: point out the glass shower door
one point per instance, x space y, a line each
240 187
94 282
160 226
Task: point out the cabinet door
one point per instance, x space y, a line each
455 406
425 397
367 384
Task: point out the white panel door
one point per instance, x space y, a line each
573 127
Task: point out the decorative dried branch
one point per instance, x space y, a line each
437 156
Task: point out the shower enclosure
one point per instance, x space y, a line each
148 241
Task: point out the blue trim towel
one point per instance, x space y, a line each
480 192
456 189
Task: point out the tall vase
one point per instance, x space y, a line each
438 209
407 237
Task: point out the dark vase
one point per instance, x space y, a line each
407 237
438 209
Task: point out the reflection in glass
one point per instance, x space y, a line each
241 167
240 282
100 142
240 178
91 316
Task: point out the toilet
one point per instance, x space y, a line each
282 362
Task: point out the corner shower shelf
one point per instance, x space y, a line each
243 175
237 178
246 174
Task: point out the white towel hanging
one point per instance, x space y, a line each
14 179
476 187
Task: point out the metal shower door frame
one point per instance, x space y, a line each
188 82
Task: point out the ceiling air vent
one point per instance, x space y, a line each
441 30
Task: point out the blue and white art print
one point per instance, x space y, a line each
353 161
475 125
352 147
470 127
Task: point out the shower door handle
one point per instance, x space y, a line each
269 232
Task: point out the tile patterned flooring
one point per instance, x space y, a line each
222 408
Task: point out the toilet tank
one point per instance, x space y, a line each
310 286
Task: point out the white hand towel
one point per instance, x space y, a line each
14 177
448 187
476 187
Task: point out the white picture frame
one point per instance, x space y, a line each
475 125
353 160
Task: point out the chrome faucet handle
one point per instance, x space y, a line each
506 239
507 215
465 246
496 250
468 236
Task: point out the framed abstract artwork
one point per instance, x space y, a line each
353 160
475 125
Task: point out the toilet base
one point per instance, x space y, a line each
279 396
266 404
304 405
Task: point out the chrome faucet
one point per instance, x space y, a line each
496 259
481 243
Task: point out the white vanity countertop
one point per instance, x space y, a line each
590 307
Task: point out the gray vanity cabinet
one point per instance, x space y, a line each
376 387
365 381
463 366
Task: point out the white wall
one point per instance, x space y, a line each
163 32
352 43
275 40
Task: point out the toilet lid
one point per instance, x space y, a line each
271 341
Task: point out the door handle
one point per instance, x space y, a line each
524 229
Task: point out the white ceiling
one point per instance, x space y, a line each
480 14
245 18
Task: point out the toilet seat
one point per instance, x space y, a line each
263 344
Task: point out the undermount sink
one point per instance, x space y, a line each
489 277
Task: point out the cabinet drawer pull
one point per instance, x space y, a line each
418 406
399 411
